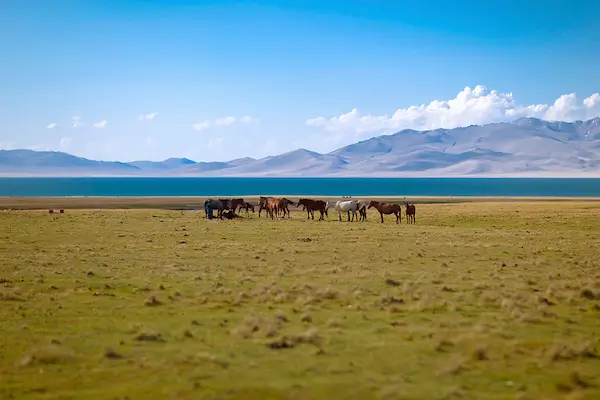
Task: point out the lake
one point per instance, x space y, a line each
513 187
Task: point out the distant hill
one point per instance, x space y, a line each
171 163
40 163
527 146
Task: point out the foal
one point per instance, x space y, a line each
247 207
411 213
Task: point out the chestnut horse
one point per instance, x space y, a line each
386 208
411 213
262 204
312 206
272 207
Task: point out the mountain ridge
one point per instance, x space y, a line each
524 146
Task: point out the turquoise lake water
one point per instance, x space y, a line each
514 187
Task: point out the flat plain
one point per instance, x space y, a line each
478 300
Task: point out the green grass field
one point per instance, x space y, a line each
476 301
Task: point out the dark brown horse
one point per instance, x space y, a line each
411 213
232 204
247 207
312 206
230 214
283 206
386 208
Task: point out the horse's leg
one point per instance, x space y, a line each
380 213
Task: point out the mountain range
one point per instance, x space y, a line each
525 147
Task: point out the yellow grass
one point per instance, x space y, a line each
478 300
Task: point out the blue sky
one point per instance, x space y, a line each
217 80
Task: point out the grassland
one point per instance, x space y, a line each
476 301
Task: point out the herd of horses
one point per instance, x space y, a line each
278 207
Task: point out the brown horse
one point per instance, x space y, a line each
262 204
411 213
272 207
386 208
312 206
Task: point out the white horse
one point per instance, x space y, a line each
345 206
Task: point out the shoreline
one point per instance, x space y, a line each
196 202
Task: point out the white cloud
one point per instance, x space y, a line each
225 121
51 126
100 124
477 106
76 122
248 120
149 116
200 126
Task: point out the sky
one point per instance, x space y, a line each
219 80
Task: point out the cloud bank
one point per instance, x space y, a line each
225 121
477 106
51 126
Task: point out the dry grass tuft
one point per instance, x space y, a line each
47 355
153 301
443 345
589 294
480 353
257 326
306 318
149 337
563 352
112 354
392 282
311 336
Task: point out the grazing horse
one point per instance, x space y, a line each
312 206
411 213
345 206
362 209
210 205
247 207
262 204
386 208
